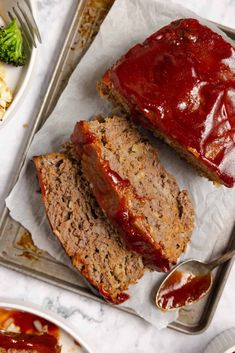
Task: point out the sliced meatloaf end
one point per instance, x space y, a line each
137 194
178 84
92 243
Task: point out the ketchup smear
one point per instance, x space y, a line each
181 80
181 289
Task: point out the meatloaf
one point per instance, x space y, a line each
93 245
137 194
27 343
180 83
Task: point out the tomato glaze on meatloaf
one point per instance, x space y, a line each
180 83
136 193
92 243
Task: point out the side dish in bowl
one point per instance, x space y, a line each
16 62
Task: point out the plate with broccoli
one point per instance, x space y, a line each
16 63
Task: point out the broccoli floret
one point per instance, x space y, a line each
11 45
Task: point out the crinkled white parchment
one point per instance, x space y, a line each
128 23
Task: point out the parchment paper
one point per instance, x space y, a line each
128 22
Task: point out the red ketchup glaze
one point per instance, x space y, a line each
29 337
39 343
106 185
81 136
118 212
183 288
115 177
153 257
120 298
182 81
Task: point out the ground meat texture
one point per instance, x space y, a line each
137 194
92 243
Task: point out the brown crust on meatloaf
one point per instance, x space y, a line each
143 201
92 243
107 91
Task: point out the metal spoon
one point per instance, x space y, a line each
188 282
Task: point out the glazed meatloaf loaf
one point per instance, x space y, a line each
25 343
180 84
137 194
91 242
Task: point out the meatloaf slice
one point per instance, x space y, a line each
92 243
180 84
138 195
26 343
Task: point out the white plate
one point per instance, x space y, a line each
17 78
68 335
223 343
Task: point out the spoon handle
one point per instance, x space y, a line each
221 259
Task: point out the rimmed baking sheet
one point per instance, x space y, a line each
17 250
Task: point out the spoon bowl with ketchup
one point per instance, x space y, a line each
188 282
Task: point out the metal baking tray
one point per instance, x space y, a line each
17 251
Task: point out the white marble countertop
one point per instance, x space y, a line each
106 329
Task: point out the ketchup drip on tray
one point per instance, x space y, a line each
183 288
